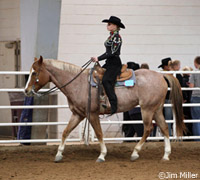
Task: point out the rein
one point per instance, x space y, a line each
55 88
87 121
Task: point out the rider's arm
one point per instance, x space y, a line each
115 49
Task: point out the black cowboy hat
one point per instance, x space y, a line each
165 62
115 20
132 65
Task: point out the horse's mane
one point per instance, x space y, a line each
63 65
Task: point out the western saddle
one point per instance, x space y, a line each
99 72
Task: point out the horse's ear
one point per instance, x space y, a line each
35 59
40 61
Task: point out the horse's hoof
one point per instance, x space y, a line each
58 158
100 160
165 159
133 158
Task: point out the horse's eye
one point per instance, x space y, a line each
34 73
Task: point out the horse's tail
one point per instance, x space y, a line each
177 101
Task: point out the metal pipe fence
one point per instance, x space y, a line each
102 122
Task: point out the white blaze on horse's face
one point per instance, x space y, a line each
28 89
32 85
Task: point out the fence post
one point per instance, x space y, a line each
174 119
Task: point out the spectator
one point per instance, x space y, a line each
144 66
175 66
187 68
187 97
165 64
194 81
167 110
186 94
132 65
135 114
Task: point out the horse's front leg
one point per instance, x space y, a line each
94 120
74 121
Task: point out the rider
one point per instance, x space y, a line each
113 63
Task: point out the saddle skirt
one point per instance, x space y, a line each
99 72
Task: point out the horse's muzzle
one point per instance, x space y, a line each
28 92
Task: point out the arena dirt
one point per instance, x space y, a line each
36 162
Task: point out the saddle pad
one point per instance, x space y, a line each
128 83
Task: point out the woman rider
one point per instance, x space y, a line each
113 63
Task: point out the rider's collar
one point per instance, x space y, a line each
114 32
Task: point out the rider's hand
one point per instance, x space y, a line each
94 59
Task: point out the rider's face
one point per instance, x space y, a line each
111 27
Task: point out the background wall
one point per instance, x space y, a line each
154 29
9 32
40 21
9 20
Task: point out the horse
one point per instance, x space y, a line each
149 92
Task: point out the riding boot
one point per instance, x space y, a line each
111 97
108 82
113 107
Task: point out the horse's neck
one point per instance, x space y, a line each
62 73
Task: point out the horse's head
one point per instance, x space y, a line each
38 77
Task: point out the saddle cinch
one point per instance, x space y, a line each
99 72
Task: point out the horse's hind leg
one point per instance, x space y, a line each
147 120
94 120
74 121
160 120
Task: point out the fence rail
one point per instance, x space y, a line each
43 90
102 122
66 106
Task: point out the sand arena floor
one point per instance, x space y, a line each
37 162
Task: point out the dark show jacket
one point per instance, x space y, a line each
113 48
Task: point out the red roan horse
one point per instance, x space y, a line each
149 92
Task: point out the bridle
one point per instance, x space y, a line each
55 88
36 81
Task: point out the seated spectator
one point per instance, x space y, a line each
144 66
195 111
186 98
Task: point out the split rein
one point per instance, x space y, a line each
55 88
